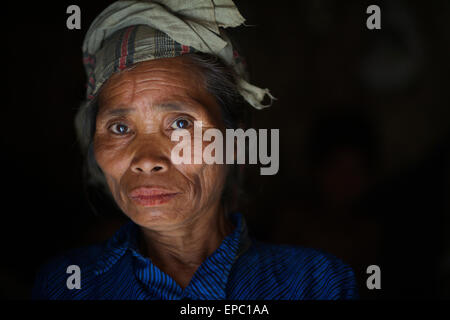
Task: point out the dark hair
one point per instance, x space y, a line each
220 81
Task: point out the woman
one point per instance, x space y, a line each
155 68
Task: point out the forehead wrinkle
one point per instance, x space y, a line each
116 94
122 89
119 79
166 86
162 80
150 80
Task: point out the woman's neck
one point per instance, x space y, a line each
181 249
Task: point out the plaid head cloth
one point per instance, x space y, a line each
128 32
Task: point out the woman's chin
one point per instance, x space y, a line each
155 216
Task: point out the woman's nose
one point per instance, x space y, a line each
148 166
149 159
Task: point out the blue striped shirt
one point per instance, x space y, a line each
241 268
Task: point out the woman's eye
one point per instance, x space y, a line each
180 124
119 128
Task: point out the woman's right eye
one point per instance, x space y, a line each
119 128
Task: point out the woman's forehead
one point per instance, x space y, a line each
157 84
169 73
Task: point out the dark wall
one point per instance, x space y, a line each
364 123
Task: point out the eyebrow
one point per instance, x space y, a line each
167 106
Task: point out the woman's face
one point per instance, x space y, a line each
139 109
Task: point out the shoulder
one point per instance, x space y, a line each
54 277
51 278
311 273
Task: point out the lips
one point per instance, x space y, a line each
151 196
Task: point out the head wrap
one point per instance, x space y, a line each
128 32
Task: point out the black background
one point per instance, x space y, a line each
364 123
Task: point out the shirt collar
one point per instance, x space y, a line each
209 281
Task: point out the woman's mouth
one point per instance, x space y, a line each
149 197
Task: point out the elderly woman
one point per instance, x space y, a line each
156 67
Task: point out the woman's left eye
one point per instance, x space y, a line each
180 124
119 129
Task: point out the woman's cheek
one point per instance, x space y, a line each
109 156
212 181
206 180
